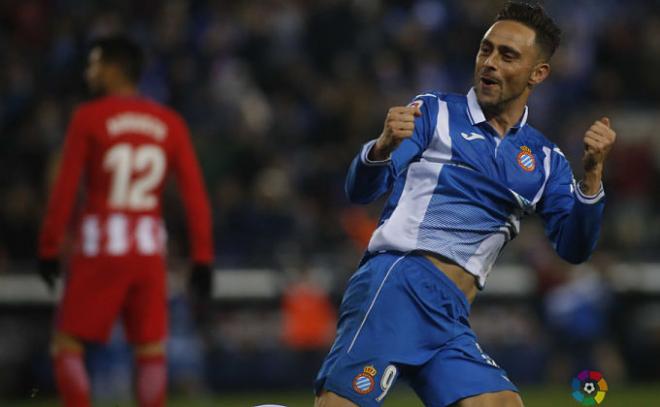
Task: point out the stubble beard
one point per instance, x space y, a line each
499 105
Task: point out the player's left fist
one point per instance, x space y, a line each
200 285
598 141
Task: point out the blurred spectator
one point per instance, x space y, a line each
278 82
308 325
309 317
578 312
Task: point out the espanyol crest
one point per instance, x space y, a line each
363 383
526 159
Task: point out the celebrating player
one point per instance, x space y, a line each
462 171
125 145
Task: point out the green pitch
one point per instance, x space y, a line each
638 396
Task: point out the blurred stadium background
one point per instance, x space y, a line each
279 95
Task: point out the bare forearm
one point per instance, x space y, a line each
598 141
379 152
591 182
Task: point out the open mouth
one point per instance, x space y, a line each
488 81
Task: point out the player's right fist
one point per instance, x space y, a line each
399 125
49 270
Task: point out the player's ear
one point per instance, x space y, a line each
539 73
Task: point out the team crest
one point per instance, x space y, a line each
363 383
526 159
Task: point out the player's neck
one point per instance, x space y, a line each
502 118
123 90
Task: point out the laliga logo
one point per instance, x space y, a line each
589 387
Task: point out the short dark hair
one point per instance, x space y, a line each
122 51
548 35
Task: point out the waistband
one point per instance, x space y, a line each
422 261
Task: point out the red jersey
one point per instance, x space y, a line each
125 146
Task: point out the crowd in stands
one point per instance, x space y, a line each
280 94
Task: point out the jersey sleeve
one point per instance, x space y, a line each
195 197
65 187
368 180
572 219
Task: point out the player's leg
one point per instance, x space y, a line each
150 349
383 327
462 375
69 370
330 399
145 320
497 399
88 309
151 377
63 342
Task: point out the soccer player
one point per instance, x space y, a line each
462 170
124 145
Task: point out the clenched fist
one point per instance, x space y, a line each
399 125
598 141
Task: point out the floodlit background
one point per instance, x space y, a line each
279 95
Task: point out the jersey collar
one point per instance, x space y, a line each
476 115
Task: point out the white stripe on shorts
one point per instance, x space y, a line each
374 301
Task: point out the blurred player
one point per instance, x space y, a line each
462 171
124 145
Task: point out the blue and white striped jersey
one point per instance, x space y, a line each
459 190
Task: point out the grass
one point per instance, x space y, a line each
637 396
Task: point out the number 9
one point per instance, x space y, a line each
387 381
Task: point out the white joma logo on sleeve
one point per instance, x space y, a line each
473 136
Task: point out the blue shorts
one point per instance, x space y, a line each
402 317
